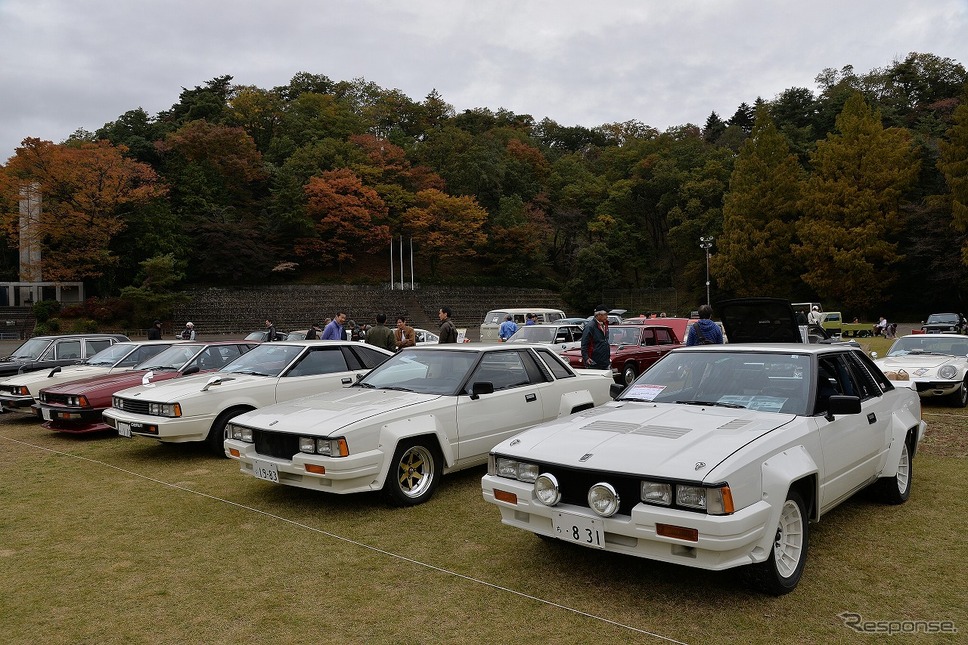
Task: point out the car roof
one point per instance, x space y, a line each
120 337
771 348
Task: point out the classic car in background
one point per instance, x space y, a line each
46 352
76 407
718 456
562 335
633 349
197 408
426 411
19 392
950 323
493 319
424 336
934 365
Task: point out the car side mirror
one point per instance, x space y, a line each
191 370
873 354
840 405
615 390
481 387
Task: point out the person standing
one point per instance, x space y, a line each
815 317
188 333
155 332
380 335
403 334
595 352
270 332
334 330
448 332
507 328
530 319
314 331
704 331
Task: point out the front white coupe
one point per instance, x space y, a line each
196 408
934 365
718 456
426 411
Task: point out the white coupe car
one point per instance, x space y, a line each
20 392
718 456
196 408
426 411
934 365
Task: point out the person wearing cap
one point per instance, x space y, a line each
188 333
155 332
595 352
815 317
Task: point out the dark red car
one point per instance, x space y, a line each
633 349
76 407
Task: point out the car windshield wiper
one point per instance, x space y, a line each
252 372
362 384
632 398
397 388
713 403
159 367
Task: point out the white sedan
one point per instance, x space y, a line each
934 365
18 393
196 408
716 457
426 411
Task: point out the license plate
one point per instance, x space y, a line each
124 429
44 412
580 529
265 470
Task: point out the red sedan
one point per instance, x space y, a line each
634 348
76 407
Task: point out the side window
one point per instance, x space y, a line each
662 337
368 357
141 354
503 369
68 349
93 345
555 364
322 360
867 387
648 337
873 371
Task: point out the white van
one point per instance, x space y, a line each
493 319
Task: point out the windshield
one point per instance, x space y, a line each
534 334
495 317
33 349
948 319
929 344
172 358
265 360
425 371
111 355
756 381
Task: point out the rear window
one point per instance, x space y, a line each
495 317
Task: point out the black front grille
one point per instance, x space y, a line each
276 444
133 405
574 485
54 399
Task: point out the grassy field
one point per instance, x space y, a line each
107 540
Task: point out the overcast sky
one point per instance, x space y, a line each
69 64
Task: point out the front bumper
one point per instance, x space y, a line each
23 404
353 474
166 429
928 388
72 420
724 541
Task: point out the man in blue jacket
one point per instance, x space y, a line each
334 330
704 331
507 328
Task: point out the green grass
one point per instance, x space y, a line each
126 541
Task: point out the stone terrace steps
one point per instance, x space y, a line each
239 310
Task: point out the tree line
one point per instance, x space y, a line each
855 194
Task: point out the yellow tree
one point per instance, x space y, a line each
445 227
851 206
87 189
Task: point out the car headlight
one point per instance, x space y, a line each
240 433
78 401
546 489
19 390
603 499
164 409
715 500
947 371
656 493
514 469
324 446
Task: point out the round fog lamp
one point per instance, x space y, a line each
546 489
603 499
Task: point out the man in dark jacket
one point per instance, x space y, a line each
448 333
155 332
595 352
704 331
380 335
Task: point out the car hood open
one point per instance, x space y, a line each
328 412
661 439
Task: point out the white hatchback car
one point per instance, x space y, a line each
934 365
197 408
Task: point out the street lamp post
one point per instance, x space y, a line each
706 243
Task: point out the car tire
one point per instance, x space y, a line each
629 373
780 573
414 472
216 435
897 488
959 399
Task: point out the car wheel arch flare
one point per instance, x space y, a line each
792 468
391 434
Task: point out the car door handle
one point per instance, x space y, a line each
346 381
530 398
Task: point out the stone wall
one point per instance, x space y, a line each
232 310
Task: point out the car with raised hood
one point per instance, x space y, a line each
197 408
77 407
19 393
48 352
425 412
633 348
716 457
933 365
